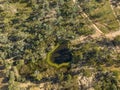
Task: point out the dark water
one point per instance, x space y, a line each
64 56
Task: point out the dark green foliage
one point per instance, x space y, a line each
106 81
33 37
117 40
99 1
92 54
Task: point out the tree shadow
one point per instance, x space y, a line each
2 67
5 80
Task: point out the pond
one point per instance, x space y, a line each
62 55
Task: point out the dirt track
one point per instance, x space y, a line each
98 33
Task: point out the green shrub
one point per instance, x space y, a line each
86 72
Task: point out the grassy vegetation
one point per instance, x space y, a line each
33 37
101 15
92 54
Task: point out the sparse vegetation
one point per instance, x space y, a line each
100 12
59 45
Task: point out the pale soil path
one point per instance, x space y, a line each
114 34
40 86
93 25
112 8
111 36
98 33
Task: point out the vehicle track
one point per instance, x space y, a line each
98 33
